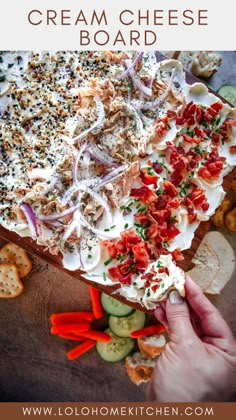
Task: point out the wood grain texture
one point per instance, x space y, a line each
33 365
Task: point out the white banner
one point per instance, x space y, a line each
118 25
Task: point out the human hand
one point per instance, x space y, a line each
199 362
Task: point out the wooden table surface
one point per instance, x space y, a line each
33 364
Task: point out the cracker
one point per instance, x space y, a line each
10 282
12 253
218 218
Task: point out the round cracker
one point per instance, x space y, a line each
13 254
10 282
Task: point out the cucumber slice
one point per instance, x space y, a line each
228 92
117 349
123 326
114 307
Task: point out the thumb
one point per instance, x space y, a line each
177 314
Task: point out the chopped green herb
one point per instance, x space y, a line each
141 230
126 225
162 285
173 219
104 276
89 256
165 244
120 257
183 187
159 264
2 78
150 171
198 150
108 261
148 293
159 192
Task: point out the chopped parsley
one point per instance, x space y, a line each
104 276
159 264
120 257
126 225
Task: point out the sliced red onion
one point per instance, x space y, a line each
92 183
132 65
31 219
100 155
69 230
97 232
75 166
97 197
113 175
137 82
138 120
159 101
97 124
49 186
58 216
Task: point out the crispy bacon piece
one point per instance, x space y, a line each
171 115
148 179
215 139
164 270
214 109
198 198
213 166
141 256
112 250
116 274
177 255
200 132
192 216
144 194
129 238
161 128
191 139
193 159
170 189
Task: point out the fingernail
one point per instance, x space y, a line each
175 298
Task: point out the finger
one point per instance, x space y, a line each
196 323
211 320
161 316
177 314
222 343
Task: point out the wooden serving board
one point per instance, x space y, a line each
31 246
